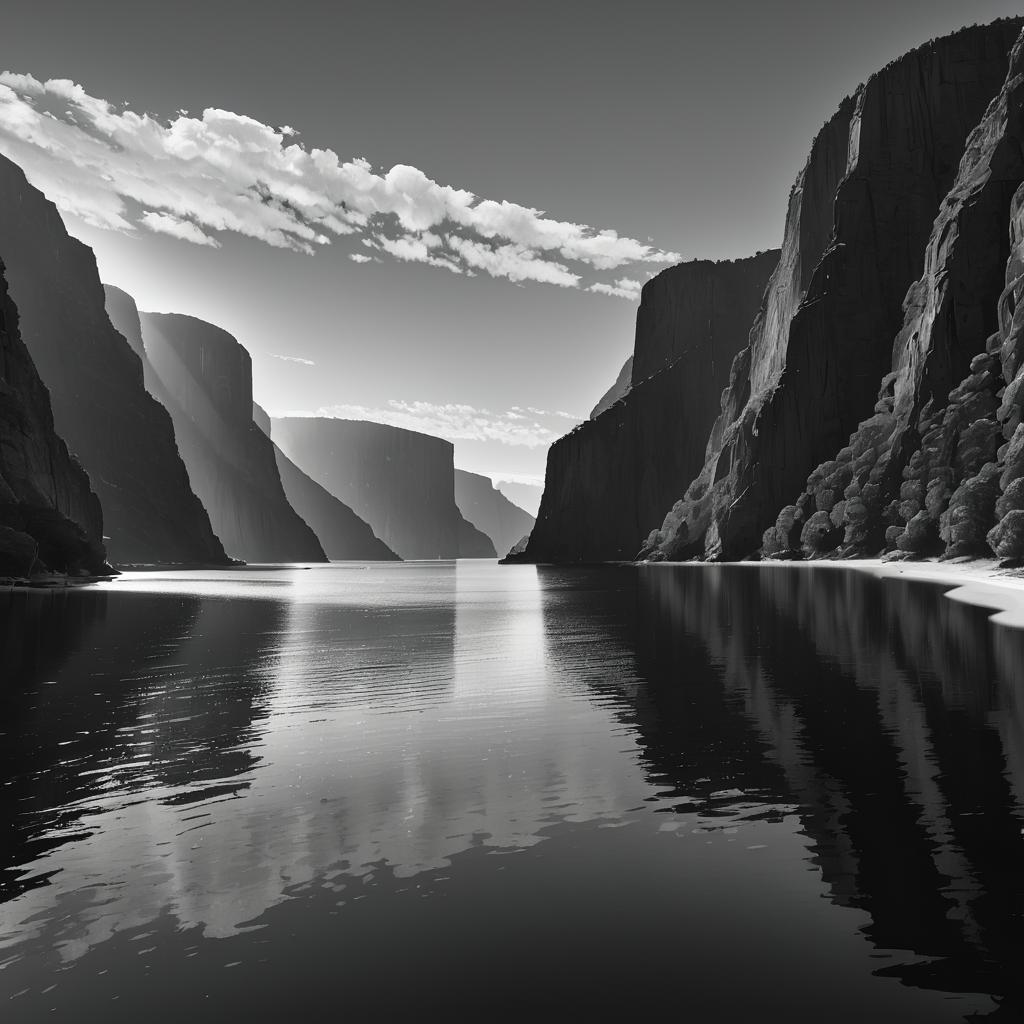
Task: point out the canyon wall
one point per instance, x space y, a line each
937 465
204 378
399 481
504 522
122 436
612 477
342 533
49 517
859 218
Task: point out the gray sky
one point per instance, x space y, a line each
680 126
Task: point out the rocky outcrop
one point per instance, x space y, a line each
618 390
204 378
611 478
342 533
490 511
49 517
120 434
923 474
399 481
859 219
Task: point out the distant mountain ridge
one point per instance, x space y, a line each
480 502
399 481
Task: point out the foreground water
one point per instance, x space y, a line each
489 792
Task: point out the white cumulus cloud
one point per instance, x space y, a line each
198 177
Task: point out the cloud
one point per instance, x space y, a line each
292 359
624 288
358 257
454 422
198 177
167 224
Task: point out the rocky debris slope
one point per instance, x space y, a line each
399 481
490 511
612 477
859 219
49 517
936 465
204 378
120 434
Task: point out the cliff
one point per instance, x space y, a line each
49 517
342 533
204 378
490 511
613 476
120 434
399 481
859 218
934 468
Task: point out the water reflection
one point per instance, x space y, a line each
302 761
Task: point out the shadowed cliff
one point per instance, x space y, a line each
937 467
49 516
204 377
611 478
859 219
120 434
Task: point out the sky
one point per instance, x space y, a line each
435 215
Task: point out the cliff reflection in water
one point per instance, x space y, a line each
895 717
301 761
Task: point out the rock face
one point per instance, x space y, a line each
611 478
490 511
616 391
49 516
934 469
399 481
204 378
120 434
859 219
342 533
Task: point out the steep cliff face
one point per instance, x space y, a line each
342 533
923 474
490 511
609 480
399 481
49 516
204 378
120 434
858 221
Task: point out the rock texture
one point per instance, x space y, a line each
342 533
120 434
490 511
934 467
860 216
399 481
611 478
204 378
49 517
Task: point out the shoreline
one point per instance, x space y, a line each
975 581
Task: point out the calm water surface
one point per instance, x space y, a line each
431 790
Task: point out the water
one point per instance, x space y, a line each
431 790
